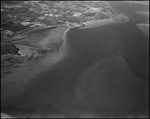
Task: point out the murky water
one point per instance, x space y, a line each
105 74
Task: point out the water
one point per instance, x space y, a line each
104 74
14 28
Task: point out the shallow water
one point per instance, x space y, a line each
105 73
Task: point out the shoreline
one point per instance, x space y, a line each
27 72
96 23
50 64
144 27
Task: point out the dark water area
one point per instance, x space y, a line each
126 38
105 74
14 27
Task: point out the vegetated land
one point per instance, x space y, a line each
31 14
31 29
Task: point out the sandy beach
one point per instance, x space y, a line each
90 24
95 23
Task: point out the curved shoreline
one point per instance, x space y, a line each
53 60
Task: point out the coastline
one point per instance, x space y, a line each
38 69
58 81
144 27
92 23
51 35
24 74
96 23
